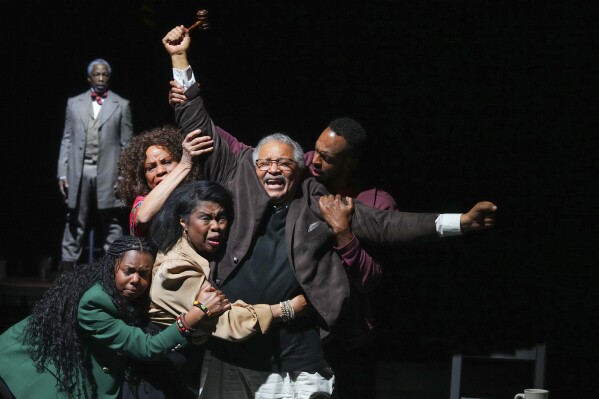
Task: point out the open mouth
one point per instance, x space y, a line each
275 183
315 172
214 243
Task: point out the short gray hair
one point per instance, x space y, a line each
298 152
90 66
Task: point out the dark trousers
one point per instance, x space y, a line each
355 370
174 376
5 393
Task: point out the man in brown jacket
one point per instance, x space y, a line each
280 245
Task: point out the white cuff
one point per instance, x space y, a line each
184 77
448 224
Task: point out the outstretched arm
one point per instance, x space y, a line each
235 325
189 114
174 289
480 217
393 228
192 115
96 317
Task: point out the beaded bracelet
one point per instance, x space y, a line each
185 322
183 326
203 308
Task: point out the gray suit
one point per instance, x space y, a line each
92 184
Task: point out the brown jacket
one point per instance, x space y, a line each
309 240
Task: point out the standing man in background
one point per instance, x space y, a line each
97 127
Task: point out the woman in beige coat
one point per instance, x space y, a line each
189 230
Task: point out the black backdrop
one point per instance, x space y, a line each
463 100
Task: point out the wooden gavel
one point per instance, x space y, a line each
202 24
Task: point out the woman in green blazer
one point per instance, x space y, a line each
78 341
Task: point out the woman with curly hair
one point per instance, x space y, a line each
85 329
152 166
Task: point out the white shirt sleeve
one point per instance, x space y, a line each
184 77
448 224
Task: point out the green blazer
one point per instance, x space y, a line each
109 340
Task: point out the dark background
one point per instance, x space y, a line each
463 100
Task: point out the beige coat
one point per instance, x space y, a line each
178 276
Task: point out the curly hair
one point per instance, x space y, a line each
52 334
132 175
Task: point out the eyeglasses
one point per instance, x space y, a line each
284 164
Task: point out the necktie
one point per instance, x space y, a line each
99 97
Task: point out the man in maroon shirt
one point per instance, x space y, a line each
335 163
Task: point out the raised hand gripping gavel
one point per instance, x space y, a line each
202 24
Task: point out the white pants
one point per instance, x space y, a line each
226 381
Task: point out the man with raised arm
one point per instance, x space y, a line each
280 244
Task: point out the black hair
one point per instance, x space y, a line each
166 230
52 331
353 133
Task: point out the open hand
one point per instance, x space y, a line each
196 144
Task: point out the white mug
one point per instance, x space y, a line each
533 394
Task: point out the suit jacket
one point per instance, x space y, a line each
309 239
115 131
108 339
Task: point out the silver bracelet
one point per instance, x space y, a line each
291 311
287 311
